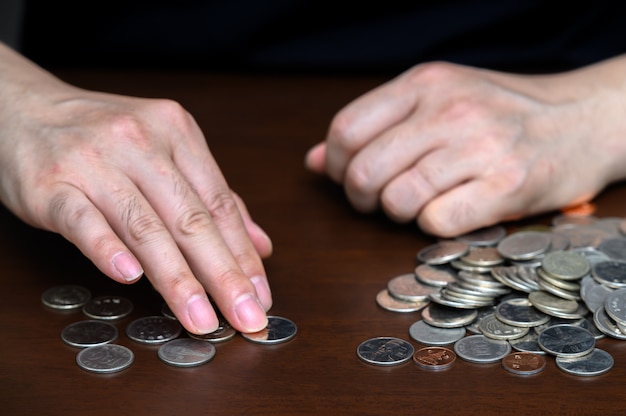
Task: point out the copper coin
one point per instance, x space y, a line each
524 363
434 358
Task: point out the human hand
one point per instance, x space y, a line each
459 148
132 183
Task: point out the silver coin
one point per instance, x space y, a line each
108 307
557 291
153 330
434 275
611 273
446 317
427 334
606 325
385 351
474 327
278 330
544 300
615 305
439 299
481 350
615 248
487 236
520 312
592 255
527 343
579 313
108 358
493 328
568 285
388 302
565 220
566 341
483 257
167 312
472 268
66 297
593 364
89 333
406 287
224 332
524 245
566 265
186 352
442 252
471 302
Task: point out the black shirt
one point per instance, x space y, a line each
322 36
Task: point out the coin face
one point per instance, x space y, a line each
611 273
407 287
566 265
427 334
66 297
108 307
186 352
153 330
446 317
487 236
524 245
385 351
481 350
566 341
434 275
434 358
108 358
89 333
524 363
492 327
593 364
278 330
520 312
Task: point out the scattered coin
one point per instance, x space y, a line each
520 312
66 297
524 245
492 327
434 275
278 330
153 330
186 352
89 333
385 351
524 363
108 358
488 236
434 358
446 317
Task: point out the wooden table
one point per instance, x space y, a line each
329 263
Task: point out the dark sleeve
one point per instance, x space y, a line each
11 12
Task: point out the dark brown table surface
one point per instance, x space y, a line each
329 263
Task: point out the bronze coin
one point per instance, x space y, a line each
524 363
434 358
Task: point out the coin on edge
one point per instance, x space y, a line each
385 351
108 358
524 363
434 358
186 352
278 330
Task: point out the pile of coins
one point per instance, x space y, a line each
513 298
96 336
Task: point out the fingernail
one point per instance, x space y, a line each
127 265
202 315
263 291
250 313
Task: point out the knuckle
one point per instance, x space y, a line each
193 222
359 177
222 206
431 73
143 227
343 133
